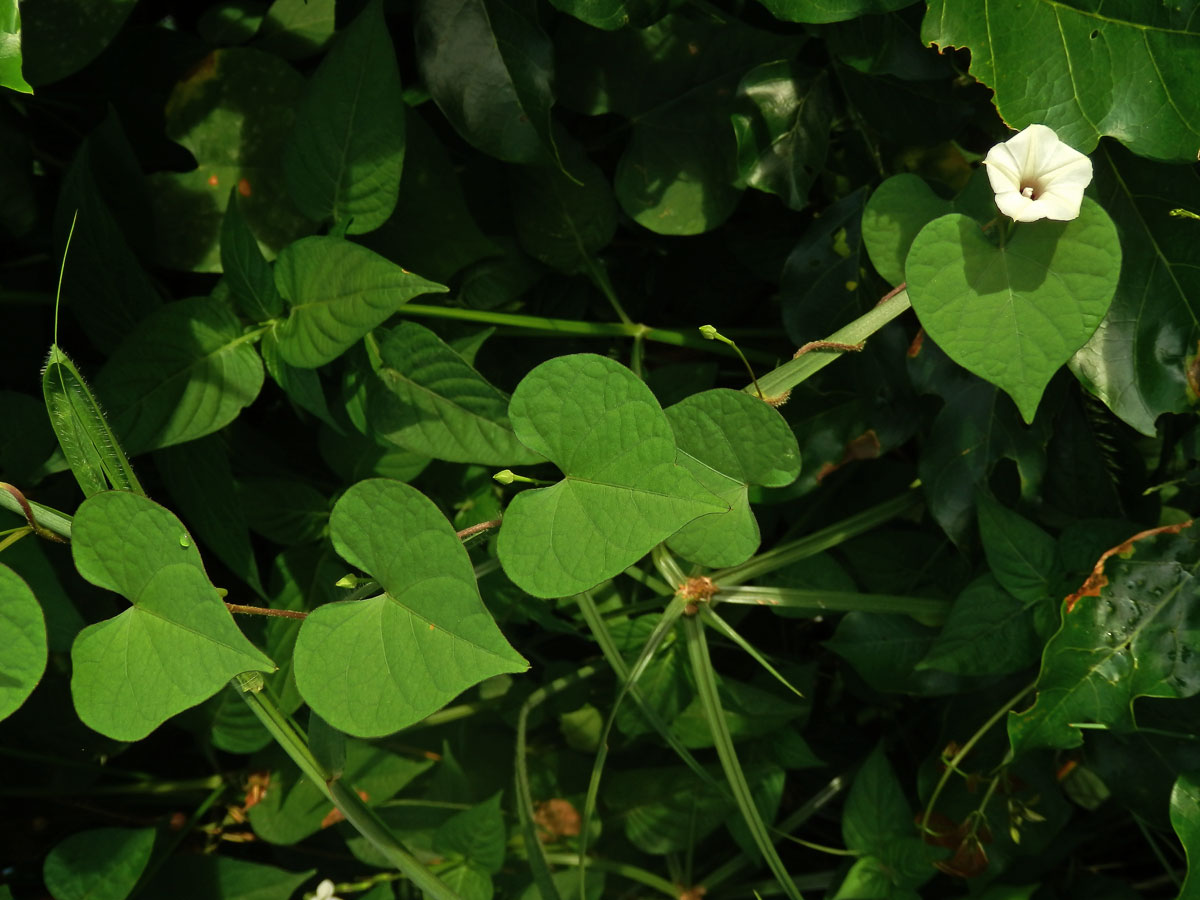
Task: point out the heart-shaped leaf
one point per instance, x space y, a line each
177 645
1013 313
338 291
23 636
622 492
730 440
371 667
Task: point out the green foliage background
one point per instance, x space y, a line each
922 625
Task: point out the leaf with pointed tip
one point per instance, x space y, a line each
343 160
337 292
186 371
622 491
431 401
1185 819
176 646
371 667
1013 314
1126 70
1130 634
729 440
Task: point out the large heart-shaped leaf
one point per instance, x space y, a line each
1012 313
184 372
1138 361
431 401
338 291
1086 69
1129 633
177 645
343 159
729 440
622 492
371 667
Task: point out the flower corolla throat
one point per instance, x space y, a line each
1037 176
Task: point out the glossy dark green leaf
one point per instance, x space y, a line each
23 635
977 428
490 68
337 292
10 48
343 160
729 440
101 864
1134 637
1023 558
988 632
371 667
248 274
821 11
175 647
603 428
185 372
1122 71
564 220
676 81
296 29
431 402
230 22
612 14
295 808
664 810
886 651
233 113
782 128
1013 314
1140 361
200 479
57 41
876 810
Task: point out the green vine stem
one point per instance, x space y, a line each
343 796
575 328
927 610
779 383
953 764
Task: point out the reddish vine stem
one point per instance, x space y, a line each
476 529
264 611
28 510
892 293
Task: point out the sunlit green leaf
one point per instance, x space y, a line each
175 647
1125 71
431 402
622 491
185 372
729 440
337 292
296 29
343 160
23 634
10 48
1014 313
371 667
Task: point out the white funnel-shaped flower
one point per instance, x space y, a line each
1037 176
